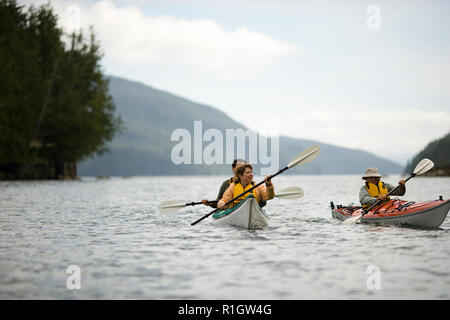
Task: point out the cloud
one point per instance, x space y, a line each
130 37
396 77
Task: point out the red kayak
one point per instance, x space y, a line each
429 214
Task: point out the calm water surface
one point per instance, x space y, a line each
125 249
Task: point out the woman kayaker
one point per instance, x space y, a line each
236 164
242 181
375 189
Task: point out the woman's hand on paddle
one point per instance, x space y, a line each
220 205
382 197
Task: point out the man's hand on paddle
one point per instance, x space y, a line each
206 203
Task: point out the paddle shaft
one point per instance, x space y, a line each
390 192
255 186
196 203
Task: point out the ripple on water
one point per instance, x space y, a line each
127 249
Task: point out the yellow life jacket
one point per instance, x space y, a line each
238 189
376 190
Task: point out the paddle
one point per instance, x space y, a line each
171 206
290 193
303 157
423 166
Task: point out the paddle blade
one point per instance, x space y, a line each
171 206
290 193
423 166
353 220
305 156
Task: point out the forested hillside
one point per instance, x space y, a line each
150 116
437 151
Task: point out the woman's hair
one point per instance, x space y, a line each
240 171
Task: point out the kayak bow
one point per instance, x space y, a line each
247 214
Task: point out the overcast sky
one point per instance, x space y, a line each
371 75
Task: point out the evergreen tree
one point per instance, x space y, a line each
54 107
18 64
81 91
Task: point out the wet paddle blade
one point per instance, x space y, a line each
305 156
423 166
171 206
290 193
352 220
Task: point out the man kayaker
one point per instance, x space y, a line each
375 189
242 181
236 163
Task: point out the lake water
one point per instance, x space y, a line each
123 248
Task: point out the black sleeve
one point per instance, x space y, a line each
223 188
213 205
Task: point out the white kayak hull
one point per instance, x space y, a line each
247 214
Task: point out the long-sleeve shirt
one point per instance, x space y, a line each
261 193
366 199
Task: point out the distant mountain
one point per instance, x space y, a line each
334 159
437 151
151 116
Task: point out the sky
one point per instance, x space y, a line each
370 75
